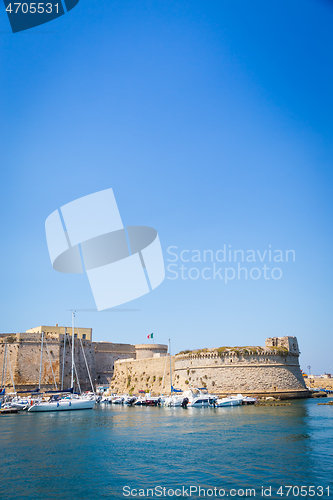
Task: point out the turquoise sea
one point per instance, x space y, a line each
121 452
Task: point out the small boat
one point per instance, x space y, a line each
198 402
229 401
249 401
109 399
199 398
130 400
21 403
174 401
6 410
118 400
153 401
140 402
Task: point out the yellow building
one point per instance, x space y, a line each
54 331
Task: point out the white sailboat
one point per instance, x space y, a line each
59 402
69 403
177 398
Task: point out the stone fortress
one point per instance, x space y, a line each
270 370
24 353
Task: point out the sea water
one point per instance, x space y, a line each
156 452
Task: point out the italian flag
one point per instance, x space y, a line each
150 336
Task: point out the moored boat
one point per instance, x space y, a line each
65 400
6 410
249 400
57 403
199 398
229 401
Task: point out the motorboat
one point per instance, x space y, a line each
7 409
153 401
91 395
229 401
107 399
140 402
199 398
174 401
249 401
119 400
130 400
21 403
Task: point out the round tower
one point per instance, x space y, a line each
144 351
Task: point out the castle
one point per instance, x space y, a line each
23 356
270 370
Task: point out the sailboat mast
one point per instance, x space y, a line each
4 366
41 361
170 366
63 361
72 378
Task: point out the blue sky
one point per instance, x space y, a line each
212 122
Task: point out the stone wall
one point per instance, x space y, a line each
273 369
225 373
106 354
23 359
150 374
319 383
24 352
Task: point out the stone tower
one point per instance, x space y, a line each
289 343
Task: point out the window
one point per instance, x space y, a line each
75 335
84 336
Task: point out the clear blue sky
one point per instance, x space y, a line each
212 122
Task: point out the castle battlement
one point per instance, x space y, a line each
270 369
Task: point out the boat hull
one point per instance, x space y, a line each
234 402
199 405
63 405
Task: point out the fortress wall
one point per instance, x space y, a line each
25 352
12 349
106 354
28 363
273 369
249 374
80 363
24 358
142 374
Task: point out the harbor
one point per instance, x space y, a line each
54 358
264 374
117 446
